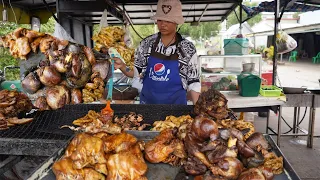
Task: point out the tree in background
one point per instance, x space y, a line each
49 26
232 18
143 30
205 30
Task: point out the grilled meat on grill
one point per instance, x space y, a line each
101 156
166 147
127 164
212 103
256 174
64 169
13 102
201 130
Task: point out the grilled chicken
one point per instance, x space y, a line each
166 148
86 150
100 156
228 168
64 170
23 47
256 174
128 164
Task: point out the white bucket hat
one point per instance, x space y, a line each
169 10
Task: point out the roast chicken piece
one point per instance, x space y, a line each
247 128
18 32
257 142
242 147
212 103
194 166
35 44
45 43
256 174
32 35
89 53
86 150
201 130
228 168
128 164
23 47
76 96
64 170
119 142
13 102
221 151
165 147
41 103
3 122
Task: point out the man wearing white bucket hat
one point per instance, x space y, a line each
165 63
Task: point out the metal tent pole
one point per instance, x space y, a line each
240 16
275 52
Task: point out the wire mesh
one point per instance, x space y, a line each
46 124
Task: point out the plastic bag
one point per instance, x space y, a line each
285 43
127 37
104 20
61 33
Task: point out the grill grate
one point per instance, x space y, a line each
46 124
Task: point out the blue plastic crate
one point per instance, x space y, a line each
238 46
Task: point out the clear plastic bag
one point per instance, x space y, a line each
285 43
61 33
104 20
127 36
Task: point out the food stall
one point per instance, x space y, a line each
44 135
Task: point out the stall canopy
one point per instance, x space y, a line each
288 5
139 11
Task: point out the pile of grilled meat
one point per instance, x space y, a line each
62 74
102 156
12 103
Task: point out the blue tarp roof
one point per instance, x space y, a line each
293 6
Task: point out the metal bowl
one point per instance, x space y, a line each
248 67
294 90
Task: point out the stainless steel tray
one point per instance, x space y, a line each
159 171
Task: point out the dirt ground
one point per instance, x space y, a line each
300 73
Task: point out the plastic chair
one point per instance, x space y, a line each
293 56
316 59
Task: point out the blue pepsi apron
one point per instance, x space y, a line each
162 83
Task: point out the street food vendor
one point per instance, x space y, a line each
166 63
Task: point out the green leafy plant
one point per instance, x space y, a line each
7 60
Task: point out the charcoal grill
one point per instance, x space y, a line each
43 135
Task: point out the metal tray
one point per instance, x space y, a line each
159 171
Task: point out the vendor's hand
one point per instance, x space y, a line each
119 64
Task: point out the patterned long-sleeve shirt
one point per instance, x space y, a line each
187 56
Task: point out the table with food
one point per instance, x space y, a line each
123 141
